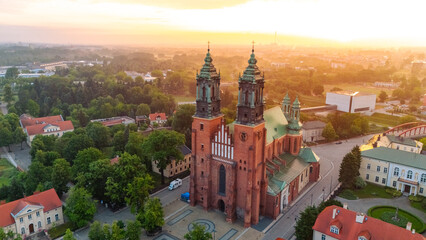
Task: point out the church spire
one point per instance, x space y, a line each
286 106
208 92
250 94
294 125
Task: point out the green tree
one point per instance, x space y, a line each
143 109
46 158
80 207
305 223
329 133
119 141
138 192
75 144
99 134
94 178
162 146
96 232
12 73
423 140
327 203
7 94
68 235
349 168
198 232
6 137
133 230
318 89
33 108
61 175
117 232
19 136
84 158
152 216
134 145
383 96
37 173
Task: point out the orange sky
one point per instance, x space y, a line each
193 22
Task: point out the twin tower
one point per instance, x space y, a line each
229 162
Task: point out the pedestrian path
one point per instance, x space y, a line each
362 205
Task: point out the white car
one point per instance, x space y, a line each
175 184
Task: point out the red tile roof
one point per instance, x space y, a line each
109 123
153 116
48 199
39 128
371 227
27 120
114 160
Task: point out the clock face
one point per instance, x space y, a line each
243 136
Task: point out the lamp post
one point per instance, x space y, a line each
214 234
323 194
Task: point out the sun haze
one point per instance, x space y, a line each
228 21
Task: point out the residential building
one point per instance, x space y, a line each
32 214
403 170
51 125
387 84
175 168
340 223
109 122
159 118
395 142
352 102
254 166
312 131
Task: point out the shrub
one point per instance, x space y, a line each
360 183
417 198
424 203
348 194
394 192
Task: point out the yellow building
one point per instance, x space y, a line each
174 167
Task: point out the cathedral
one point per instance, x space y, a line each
254 166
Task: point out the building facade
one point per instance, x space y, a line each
175 168
159 118
312 131
254 166
337 223
351 102
32 214
403 170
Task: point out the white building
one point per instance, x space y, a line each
32 214
312 131
352 102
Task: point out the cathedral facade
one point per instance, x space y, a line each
254 166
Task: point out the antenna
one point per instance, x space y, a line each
252 48
208 46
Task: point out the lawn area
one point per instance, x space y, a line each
372 191
6 172
184 99
385 213
60 230
383 119
417 205
311 101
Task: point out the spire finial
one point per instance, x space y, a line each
252 48
208 46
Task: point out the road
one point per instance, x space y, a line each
331 156
166 196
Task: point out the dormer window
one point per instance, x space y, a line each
362 238
334 229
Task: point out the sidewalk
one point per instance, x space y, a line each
362 205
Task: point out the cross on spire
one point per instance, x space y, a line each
208 46
252 48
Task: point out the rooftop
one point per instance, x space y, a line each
39 128
400 140
313 125
352 93
275 123
396 156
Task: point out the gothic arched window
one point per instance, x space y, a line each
222 180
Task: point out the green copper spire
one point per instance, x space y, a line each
286 106
296 103
294 125
252 73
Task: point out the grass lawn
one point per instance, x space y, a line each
60 230
348 194
184 98
311 101
372 191
417 205
383 119
385 213
6 172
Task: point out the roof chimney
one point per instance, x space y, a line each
413 231
345 205
359 217
408 226
334 213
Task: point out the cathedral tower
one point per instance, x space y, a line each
295 137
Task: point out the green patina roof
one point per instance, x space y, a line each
396 156
400 140
286 99
275 123
295 166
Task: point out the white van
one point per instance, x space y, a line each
175 184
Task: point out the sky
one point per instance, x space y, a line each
175 22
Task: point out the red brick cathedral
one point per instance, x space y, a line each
254 166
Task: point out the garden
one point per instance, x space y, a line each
6 172
398 217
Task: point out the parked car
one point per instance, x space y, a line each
175 184
184 197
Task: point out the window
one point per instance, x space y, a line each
378 168
48 220
410 174
421 190
201 127
396 172
202 173
385 170
377 179
383 180
38 214
367 176
423 178
202 147
56 217
368 166
30 217
39 224
334 229
21 219
22 230
394 184
301 178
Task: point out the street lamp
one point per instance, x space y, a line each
214 234
323 194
